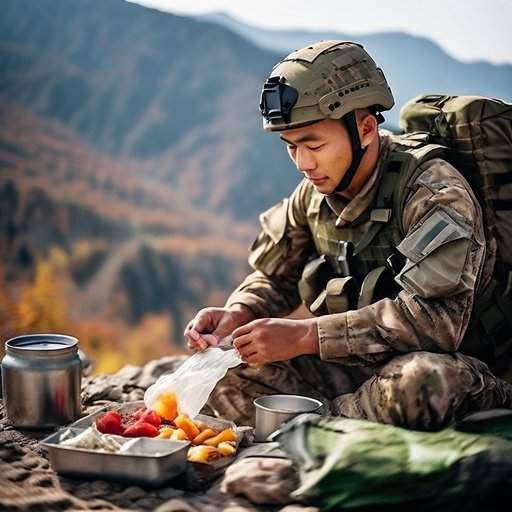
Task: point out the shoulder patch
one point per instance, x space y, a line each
436 253
437 229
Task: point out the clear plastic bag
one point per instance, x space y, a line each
194 380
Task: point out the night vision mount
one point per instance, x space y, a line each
277 99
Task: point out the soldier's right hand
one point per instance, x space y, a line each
210 325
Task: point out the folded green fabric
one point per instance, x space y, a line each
356 463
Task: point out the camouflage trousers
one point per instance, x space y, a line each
418 390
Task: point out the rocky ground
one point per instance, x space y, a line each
28 483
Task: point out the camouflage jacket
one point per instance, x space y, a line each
421 316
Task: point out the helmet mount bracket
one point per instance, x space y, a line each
277 99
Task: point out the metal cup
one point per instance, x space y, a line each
274 410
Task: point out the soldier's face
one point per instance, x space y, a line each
321 151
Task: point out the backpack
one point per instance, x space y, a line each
476 133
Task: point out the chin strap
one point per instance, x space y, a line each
357 152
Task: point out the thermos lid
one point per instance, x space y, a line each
42 343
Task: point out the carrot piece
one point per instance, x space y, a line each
225 435
186 424
205 434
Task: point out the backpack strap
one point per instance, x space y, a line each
416 151
399 176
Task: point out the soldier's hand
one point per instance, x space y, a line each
276 339
210 325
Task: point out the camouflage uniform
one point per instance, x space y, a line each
396 360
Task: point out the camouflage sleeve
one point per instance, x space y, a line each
277 256
445 249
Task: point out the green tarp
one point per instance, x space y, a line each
349 464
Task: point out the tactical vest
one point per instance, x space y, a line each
356 263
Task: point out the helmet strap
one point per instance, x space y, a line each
357 151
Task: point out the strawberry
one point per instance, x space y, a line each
138 413
110 423
141 429
150 416
142 414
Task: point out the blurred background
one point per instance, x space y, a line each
133 166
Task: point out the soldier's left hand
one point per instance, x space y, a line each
275 339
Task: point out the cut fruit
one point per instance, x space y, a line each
166 432
202 454
179 435
166 405
226 448
141 429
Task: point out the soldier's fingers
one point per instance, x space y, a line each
242 341
191 338
190 342
188 327
243 329
201 343
247 353
195 340
203 322
193 345
193 335
211 340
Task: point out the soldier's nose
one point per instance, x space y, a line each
304 161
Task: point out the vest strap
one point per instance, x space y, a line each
382 214
368 237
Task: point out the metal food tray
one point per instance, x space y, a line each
158 460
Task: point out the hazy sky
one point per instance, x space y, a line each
468 29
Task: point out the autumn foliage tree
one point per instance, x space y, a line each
41 307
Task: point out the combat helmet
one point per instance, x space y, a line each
327 80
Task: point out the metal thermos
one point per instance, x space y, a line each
41 379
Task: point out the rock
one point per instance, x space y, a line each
131 494
299 508
136 394
262 480
176 505
105 387
129 374
239 508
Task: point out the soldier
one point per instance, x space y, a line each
382 240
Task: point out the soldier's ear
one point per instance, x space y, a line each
368 128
